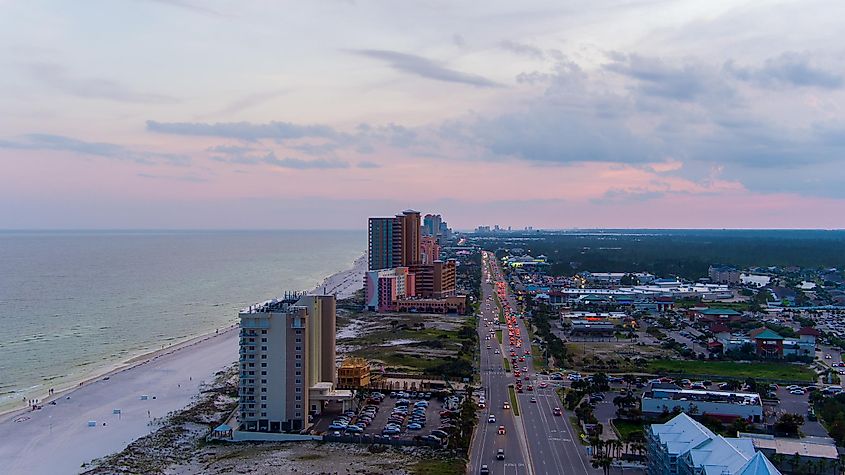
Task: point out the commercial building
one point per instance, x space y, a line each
723 274
287 362
725 405
683 446
354 373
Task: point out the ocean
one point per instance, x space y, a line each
75 303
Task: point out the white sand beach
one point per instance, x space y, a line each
57 439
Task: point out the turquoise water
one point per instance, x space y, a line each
73 303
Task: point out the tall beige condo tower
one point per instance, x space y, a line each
287 361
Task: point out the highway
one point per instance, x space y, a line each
494 382
551 445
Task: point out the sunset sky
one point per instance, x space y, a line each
317 114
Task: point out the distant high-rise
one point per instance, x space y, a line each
410 223
429 250
395 241
431 225
383 249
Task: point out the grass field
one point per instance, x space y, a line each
735 370
440 467
507 364
499 336
514 401
625 428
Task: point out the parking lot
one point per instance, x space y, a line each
393 415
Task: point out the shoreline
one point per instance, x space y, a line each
340 280
112 369
125 401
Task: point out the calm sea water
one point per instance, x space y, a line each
72 303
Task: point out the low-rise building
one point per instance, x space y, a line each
725 405
796 456
354 373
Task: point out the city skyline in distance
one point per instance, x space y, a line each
206 115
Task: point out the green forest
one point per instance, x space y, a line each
683 253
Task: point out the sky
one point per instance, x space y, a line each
317 114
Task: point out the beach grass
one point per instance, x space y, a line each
452 466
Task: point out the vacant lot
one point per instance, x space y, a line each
735 370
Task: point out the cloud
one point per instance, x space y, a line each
250 156
459 40
244 130
57 77
100 149
249 101
787 69
189 6
522 49
368 165
191 178
616 196
423 67
684 82
299 164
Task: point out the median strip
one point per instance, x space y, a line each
499 336
507 364
514 400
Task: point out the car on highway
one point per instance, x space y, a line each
501 430
485 470
533 399
556 411
491 419
500 454
506 405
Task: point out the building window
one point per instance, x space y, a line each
299 373
263 398
264 390
299 406
252 373
298 348
263 381
263 365
263 332
298 364
263 357
264 406
299 357
299 340
298 414
251 340
299 390
263 373
263 348
251 406
298 398
299 332
263 340
298 381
